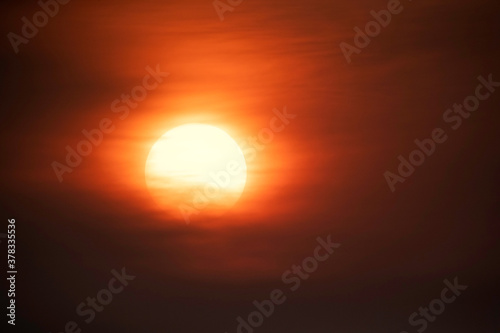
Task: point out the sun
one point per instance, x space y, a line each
195 170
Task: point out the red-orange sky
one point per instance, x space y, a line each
322 175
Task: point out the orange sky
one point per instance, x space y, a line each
322 175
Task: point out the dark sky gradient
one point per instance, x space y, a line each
322 175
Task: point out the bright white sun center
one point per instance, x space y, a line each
196 168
